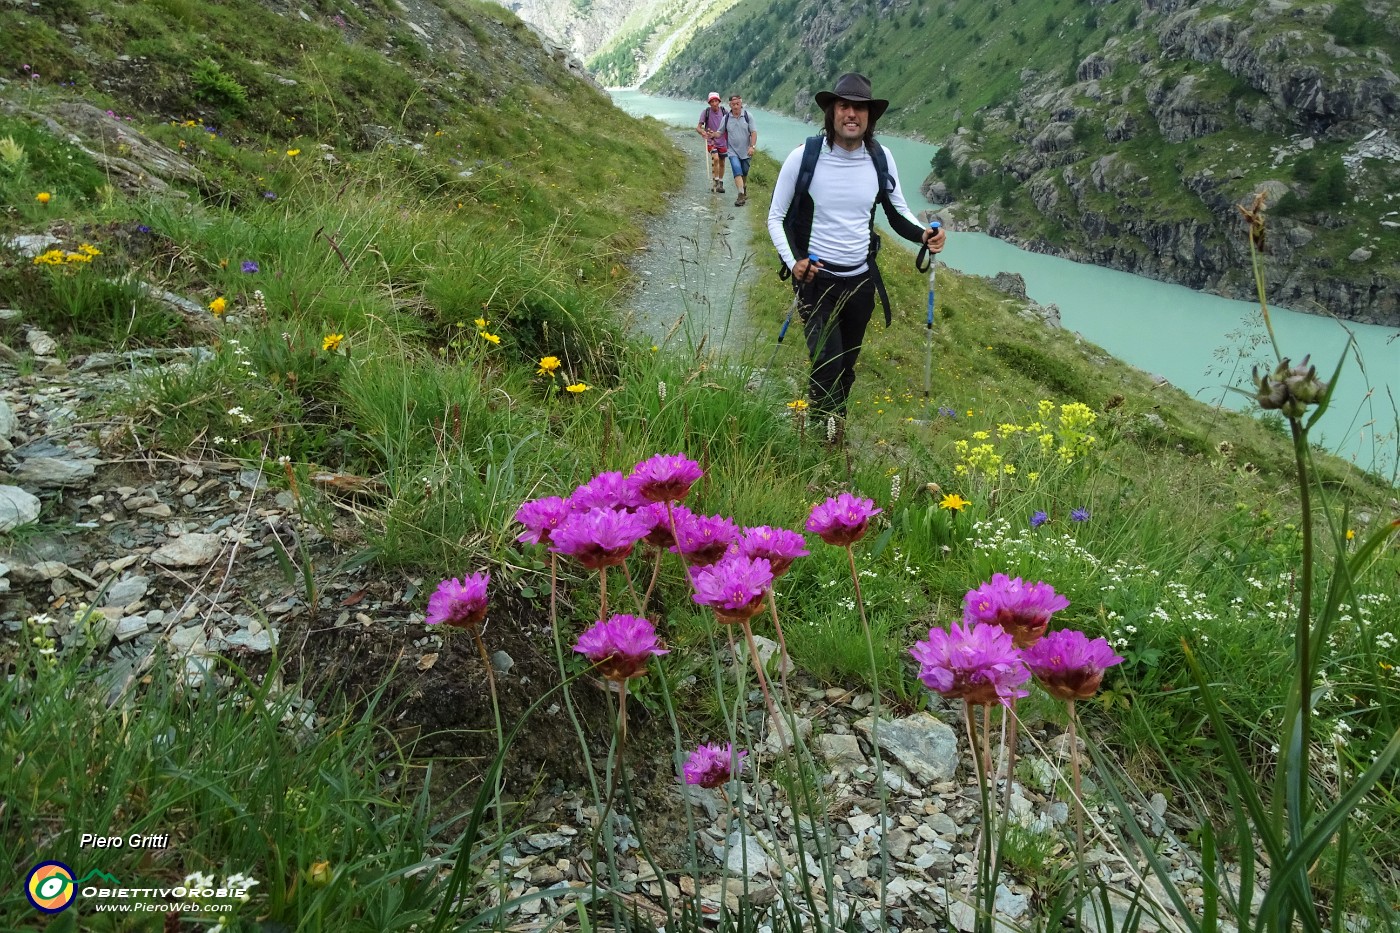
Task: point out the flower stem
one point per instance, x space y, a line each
782 648
500 736
1074 774
874 737
602 593
655 571
763 683
568 689
986 857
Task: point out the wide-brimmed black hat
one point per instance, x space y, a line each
851 86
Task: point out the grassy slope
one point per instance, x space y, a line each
529 241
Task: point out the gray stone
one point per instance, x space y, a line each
744 854
40 343
53 471
189 550
1360 254
256 642
925 745
32 244
841 752
17 507
127 590
131 627
8 422
501 662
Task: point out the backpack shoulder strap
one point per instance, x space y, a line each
810 153
882 169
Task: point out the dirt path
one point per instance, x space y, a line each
698 263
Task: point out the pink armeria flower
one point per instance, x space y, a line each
599 537
666 477
660 535
620 646
703 539
779 546
713 765
977 663
459 603
842 520
1069 664
607 491
540 517
1023 610
732 587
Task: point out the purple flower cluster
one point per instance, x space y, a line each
666 477
779 546
842 520
713 765
1023 610
704 539
733 587
976 663
459 603
620 646
1002 642
1070 665
601 537
540 517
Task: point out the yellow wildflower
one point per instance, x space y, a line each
798 404
494 338
953 502
89 250
576 388
1351 533
43 197
548 365
331 342
293 152
481 323
218 305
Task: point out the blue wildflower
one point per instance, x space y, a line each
1079 515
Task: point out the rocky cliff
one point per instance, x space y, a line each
1144 160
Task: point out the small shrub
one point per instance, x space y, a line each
213 84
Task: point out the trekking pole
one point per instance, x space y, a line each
792 309
927 260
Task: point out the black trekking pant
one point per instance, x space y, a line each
835 311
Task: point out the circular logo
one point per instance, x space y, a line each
50 887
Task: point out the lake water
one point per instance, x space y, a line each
1189 337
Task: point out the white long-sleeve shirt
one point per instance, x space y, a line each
843 190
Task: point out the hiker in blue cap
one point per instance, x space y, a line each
824 205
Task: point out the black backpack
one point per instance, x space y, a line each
797 224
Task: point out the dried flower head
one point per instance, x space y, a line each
1289 389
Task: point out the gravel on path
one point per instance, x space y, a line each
699 262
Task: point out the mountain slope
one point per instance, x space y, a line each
1123 134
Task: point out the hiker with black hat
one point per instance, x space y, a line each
824 207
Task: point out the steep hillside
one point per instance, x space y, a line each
1123 134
